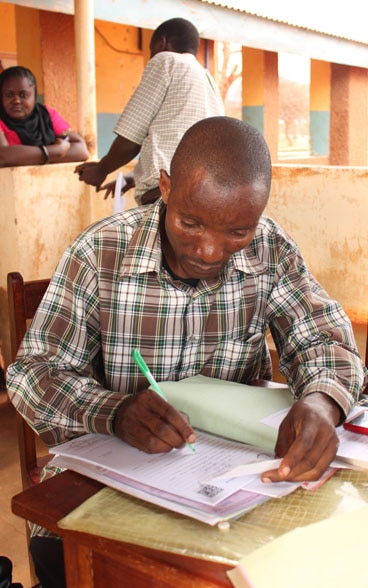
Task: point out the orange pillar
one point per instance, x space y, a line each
28 45
349 107
260 94
58 64
319 107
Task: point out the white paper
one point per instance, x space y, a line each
175 479
238 503
180 471
254 467
119 199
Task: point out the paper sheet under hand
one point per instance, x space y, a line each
247 469
353 447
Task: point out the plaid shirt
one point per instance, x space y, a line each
110 294
174 93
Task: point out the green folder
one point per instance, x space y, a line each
229 409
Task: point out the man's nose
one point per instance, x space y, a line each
210 249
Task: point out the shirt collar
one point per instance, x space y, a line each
143 253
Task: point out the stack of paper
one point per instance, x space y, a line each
221 479
191 483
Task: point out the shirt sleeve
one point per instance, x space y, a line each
53 382
59 124
313 336
145 103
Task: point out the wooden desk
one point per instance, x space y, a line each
93 561
111 539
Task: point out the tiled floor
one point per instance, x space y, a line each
12 528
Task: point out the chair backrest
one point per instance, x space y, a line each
24 298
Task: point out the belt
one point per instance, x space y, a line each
151 196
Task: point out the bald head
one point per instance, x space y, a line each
229 150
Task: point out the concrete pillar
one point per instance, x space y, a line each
86 75
319 107
260 94
271 103
349 107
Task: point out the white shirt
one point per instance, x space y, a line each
174 93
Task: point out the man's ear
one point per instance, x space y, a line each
161 44
165 185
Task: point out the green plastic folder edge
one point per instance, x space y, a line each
229 409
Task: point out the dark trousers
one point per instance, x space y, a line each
48 558
6 569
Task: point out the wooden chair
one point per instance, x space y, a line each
24 298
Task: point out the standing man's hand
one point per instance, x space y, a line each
151 424
120 153
91 173
307 440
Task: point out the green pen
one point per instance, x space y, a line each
138 359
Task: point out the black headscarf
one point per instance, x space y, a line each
36 129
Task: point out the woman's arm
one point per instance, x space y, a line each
63 150
15 155
78 149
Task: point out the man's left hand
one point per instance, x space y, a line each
307 440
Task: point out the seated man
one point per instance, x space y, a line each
194 281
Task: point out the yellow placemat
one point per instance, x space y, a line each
117 516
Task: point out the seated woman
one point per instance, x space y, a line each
30 133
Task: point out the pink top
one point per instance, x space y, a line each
58 123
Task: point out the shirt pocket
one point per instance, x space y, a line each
238 359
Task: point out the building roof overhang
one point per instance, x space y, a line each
224 21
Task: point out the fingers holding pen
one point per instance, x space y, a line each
151 424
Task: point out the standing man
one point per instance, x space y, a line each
174 93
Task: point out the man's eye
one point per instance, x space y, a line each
8 94
189 224
240 234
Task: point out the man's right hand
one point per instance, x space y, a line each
90 172
151 424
